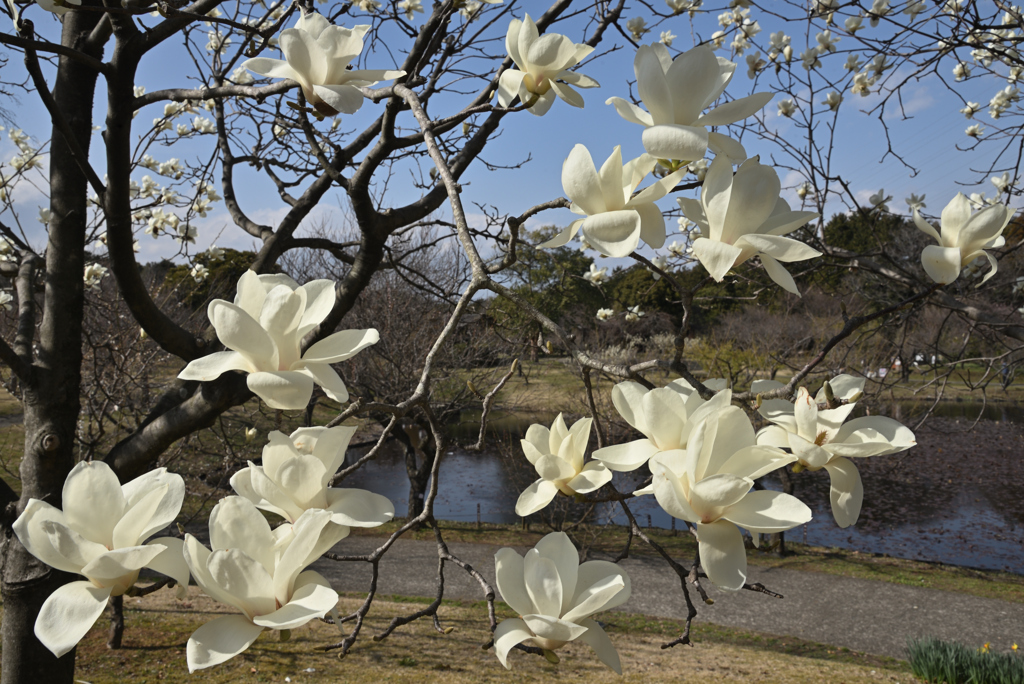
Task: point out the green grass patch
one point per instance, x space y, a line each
946 662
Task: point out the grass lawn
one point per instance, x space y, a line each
158 627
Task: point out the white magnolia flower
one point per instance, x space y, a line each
667 37
93 276
296 476
215 252
861 84
555 595
879 8
915 202
557 454
542 64
1003 182
409 7
818 438
853 24
605 314
676 92
199 273
878 201
241 76
964 237
787 107
709 485
44 216
259 571
826 42
100 534
615 219
317 55
264 327
637 26
634 314
853 63
975 130
961 71
755 64
915 7
660 262
809 59
596 275
743 216
665 416
833 100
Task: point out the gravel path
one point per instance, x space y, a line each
863 615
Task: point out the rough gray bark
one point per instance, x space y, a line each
51 393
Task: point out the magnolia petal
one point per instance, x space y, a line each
301 479
330 444
559 549
302 53
328 379
220 640
669 493
877 429
675 141
372 76
694 211
844 386
212 366
627 397
767 511
31 530
170 504
288 390
244 578
68 613
543 583
341 346
754 194
197 557
925 227
580 181
239 331
628 456
779 274
530 450
757 461
93 501
551 51
942 264
345 99
982 228
724 146
781 223
115 565
567 94
658 190
716 195
690 76
236 524
613 233
653 87
553 468
665 412
307 544
716 257
734 432
955 214
536 497
779 247
280 316
564 237
652 224
593 476
312 599
805 411
847 491
594 598
508 86
737 110
542 104
722 555
718 491
550 627
358 507
991 262
74 549
597 639
272 68
594 573
129 529
269 492
630 112
320 300
509 573
171 561
509 634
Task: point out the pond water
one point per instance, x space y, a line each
958 497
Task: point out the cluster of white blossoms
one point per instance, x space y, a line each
261 571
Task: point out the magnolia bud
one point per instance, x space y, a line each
787 52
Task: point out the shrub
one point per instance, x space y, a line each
945 662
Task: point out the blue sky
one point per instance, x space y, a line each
928 139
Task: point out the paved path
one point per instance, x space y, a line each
863 615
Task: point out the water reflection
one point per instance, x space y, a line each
957 498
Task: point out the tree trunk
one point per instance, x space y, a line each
51 396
